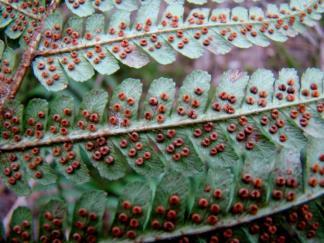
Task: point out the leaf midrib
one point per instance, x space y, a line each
164 31
108 131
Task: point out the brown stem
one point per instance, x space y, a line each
9 91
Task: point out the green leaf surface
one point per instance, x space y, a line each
88 211
21 225
104 42
19 19
269 152
133 210
53 218
299 223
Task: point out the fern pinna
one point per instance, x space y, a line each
300 223
198 160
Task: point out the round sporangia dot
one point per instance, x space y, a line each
174 200
253 209
203 203
155 224
168 226
123 143
170 148
134 223
243 193
171 214
231 127
238 208
321 157
196 218
290 196
122 217
160 210
247 178
249 145
214 208
218 193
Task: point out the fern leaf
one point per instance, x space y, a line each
201 2
88 7
133 210
53 221
20 225
8 62
245 149
301 223
65 124
88 216
20 19
67 52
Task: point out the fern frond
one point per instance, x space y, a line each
20 227
88 7
21 18
67 52
302 223
88 212
54 221
299 224
201 2
8 64
249 148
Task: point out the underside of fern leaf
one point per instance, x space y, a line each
21 18
70 51
87 7
8 61
299 224
22 22
202 156
302 223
